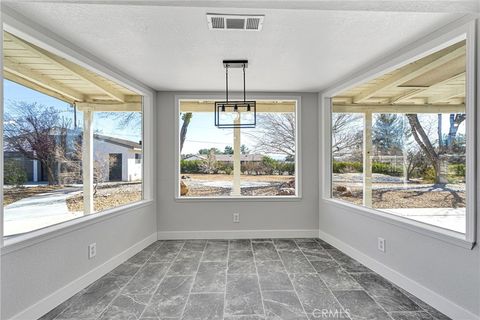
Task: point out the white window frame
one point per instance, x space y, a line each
298 162
437 40
43 38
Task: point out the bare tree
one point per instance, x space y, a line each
455 122
423 141
37 132
275 133
344 136
71 166
186 117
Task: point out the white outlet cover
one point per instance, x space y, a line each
381 244
92 250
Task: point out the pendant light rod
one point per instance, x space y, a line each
226 83
244 89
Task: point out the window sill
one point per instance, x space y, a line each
21 241
445 235
239 199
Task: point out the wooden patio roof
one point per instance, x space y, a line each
40 70
432 84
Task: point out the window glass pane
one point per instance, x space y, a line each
42 159
400 146
347 157
266 155
55 170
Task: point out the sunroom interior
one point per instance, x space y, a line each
340 185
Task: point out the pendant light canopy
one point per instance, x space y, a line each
235 114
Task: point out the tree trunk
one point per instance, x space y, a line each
455 121
424 143
439 132
183 132
50 167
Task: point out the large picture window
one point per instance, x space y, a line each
237 162
399 142
72 140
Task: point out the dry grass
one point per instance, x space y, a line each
108 197
388 199
205 191
11 195
226 177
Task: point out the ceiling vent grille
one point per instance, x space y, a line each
235 22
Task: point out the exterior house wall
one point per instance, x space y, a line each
131 171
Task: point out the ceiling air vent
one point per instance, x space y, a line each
251 22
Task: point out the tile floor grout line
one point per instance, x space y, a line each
320 278
194 278
226 280
291 282
161 280
258 279
120 290
363 288
129 280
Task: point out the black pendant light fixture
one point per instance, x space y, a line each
235 114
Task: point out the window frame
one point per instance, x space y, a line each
40 37
443 37
298 162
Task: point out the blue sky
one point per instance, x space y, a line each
14 92
203 134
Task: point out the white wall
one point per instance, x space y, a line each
131 171
175 217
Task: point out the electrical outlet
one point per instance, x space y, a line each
236 217
381 244
92 250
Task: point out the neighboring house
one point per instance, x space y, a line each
122 158
195 157
226 158
119 160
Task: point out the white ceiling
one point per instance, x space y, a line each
171 48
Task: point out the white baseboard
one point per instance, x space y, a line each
237 234
48 303
432 298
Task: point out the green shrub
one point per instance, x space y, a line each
227 167
357 167
386 168
458 169
286 167
190 166
346 166
14 174
428 175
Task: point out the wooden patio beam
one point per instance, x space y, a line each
399 108
71 67
408 73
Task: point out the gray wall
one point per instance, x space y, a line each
35 272
198 215
448 270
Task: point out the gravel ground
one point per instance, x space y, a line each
388 199
197 188
109 196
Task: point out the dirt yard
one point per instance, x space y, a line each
390 199
109 196
214 185
11 195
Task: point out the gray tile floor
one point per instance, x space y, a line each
243 280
